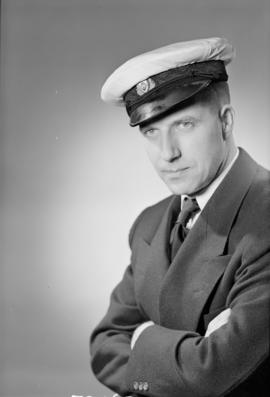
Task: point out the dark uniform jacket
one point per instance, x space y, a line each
224 262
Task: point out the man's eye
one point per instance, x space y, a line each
149 133
185 124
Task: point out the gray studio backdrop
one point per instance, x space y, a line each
74 175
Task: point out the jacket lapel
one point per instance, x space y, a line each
200 262
152 261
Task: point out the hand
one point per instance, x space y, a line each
218 321
138 332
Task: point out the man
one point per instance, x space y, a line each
191 315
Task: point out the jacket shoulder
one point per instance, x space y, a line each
262 180
149 219
253 220
259 192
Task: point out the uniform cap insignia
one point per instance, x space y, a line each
144 86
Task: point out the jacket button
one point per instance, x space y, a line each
135 385
145 386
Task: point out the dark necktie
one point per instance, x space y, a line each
179 231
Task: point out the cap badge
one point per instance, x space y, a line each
144 86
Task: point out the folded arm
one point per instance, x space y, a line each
178 362
111 341
189 364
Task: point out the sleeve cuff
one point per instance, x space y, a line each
153 363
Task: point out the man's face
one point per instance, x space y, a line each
187 148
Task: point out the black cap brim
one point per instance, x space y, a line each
165 101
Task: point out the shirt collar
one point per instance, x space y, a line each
203 198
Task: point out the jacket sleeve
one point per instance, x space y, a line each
110 341
181 363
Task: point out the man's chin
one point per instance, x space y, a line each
179 189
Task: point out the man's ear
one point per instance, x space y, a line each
226 115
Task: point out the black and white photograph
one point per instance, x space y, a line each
135 198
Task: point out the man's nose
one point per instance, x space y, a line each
169 148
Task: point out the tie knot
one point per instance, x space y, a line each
179 231
189 208
190 204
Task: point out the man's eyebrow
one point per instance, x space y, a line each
185 117
180 118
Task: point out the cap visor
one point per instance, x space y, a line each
163 102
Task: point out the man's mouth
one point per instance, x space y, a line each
175 171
